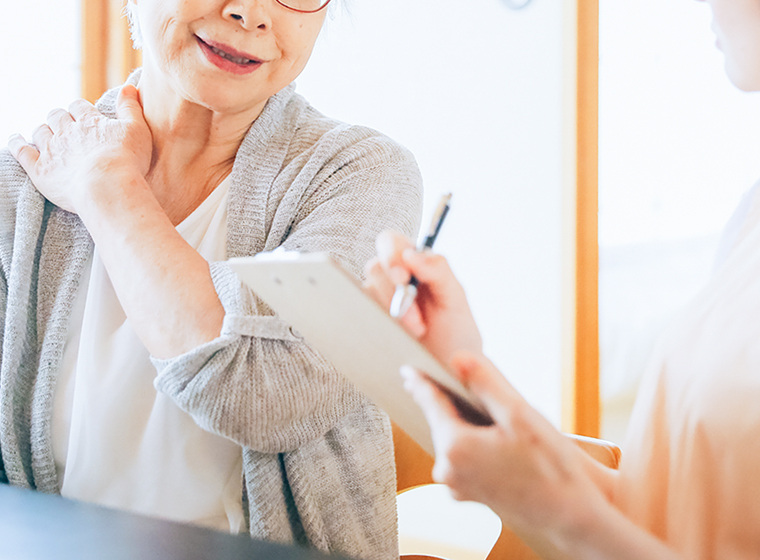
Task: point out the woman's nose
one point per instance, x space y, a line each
252 14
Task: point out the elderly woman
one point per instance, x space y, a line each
137 372
689 483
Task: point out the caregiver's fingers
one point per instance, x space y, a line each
453 438
480 375
128 105
380 288
390 245
502 401
441 414
377 283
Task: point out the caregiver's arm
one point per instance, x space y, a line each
533 477
549 491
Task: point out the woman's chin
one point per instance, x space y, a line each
220 102
168 89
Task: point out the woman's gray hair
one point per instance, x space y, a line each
134 25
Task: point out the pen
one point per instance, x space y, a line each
404 296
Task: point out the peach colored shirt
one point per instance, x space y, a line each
690 472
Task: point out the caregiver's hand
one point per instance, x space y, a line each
80 151
520 466
440 317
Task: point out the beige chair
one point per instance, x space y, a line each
414 468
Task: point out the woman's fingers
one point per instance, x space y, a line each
128 104
57 119
81 109
400 259
413 322
25 154
41 136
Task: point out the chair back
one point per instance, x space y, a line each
414 465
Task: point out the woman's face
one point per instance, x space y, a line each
227 55
736 23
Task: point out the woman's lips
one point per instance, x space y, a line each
227 58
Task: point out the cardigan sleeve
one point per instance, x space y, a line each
258 383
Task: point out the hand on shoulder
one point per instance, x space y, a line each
80 150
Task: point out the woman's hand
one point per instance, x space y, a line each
79 150
440 316
96 166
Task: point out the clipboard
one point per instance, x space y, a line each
327 306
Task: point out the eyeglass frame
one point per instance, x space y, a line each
284 5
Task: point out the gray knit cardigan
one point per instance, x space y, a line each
317 456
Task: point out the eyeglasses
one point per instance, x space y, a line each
304 6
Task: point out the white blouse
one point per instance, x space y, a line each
116 440
690 472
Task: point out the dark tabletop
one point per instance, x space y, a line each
35 526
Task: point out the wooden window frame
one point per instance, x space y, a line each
581 409
107 53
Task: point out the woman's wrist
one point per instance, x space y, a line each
111 190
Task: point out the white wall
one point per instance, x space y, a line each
39 61
678 142
475 91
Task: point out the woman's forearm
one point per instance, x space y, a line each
162 283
